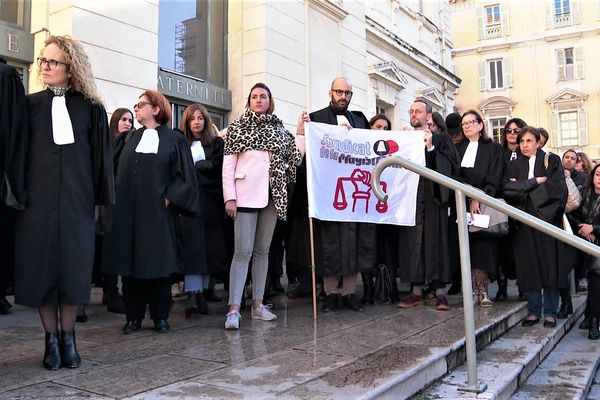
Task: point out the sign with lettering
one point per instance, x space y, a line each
180 86
16 44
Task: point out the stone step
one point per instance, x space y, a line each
567 372
507 362
410 363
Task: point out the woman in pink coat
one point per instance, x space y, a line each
260 159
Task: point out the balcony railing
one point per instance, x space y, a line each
493 31
562 20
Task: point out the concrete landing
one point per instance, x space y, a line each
382 352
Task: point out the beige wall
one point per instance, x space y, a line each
530 46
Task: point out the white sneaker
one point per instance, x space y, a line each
263 313
233 320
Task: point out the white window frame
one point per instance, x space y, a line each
572 140
496 126
497 81
569 63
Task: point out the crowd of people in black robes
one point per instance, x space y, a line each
145 205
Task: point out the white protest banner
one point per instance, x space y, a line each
339 167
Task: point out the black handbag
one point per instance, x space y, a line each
498 223
383 285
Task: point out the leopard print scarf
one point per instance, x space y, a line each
266 132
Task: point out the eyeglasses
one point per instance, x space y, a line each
340 92
52 64
468 123
512 130
140 104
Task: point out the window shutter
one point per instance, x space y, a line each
554 136
560 64
597 9
549 14
507 72
480 24
504 18
582 125
575 12
482 76
578 60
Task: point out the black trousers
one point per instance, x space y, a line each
7 244
156 293
593 294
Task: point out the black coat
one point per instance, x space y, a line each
342 248
141 239
13 138
54 238
540 260
485 175
423 248
201 238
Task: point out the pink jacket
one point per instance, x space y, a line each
246 177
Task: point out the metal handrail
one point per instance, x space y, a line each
460 190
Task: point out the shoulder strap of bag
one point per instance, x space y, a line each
546 156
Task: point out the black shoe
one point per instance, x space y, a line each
565 310
549 323
530 322
201 304
502 286
5 306
586 323
68 350
52 352
132 326
210 295
276 284
81 315
350 301
161 325
298 292
455 288
115 304
331 303
594 333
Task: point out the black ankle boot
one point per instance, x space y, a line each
502 288
566 307
68 350
594 333
52 352
201 304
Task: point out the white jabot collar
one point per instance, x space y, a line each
468 160
149 142
530 173
62 129
198 151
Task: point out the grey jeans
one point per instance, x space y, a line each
253 232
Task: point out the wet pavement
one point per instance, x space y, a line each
344 354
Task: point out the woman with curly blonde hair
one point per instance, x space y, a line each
69 171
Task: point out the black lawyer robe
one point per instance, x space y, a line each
342 248
54 238
141 239
423 249
201 239
13 138
486 175
540 260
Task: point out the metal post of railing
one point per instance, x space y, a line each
472 385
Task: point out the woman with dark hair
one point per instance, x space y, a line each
509 138
70 171
203 238
535 183
120 122
437 123
482 166
587 219
260 161
544 136
381 122
155 183
506 267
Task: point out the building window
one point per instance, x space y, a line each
495 74
379 110
496 127
561 13
13 11
569 130
493 25
569 63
